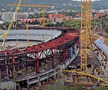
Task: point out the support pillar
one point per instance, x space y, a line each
14 71
28 86
39 84
13 61
75 49
53 59
64 55
37 66
37 62
7 69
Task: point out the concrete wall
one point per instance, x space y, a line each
9 84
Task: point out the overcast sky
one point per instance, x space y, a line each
80 0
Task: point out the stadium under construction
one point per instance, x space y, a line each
50 52
32 65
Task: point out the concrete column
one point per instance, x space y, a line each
27 85
99 57
39 83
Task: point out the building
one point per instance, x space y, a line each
51 16
21 71
54 18
68 18
98 15
41 19
78 16
7 16
21 16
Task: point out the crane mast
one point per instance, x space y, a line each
85 32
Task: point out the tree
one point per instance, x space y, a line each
102 88
106 28
72 23
58 24
49 24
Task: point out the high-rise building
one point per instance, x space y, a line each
7 16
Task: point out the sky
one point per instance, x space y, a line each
80 0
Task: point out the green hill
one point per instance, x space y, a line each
60 4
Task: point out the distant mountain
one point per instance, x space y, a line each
63 4
48 2
59 4
100 4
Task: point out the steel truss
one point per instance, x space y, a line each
85 32
54 51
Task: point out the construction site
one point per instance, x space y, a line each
36 57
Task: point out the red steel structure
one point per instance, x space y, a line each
56 49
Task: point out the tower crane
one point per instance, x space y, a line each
39 6
9 27
85 41
85 32
43 15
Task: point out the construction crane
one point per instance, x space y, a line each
85 32
43 15
39 6
9 27
85 40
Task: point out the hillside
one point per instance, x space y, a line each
48 2
100 4
59 4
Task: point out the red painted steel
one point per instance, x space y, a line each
52 44
58 43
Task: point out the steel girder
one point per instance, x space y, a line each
54 50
